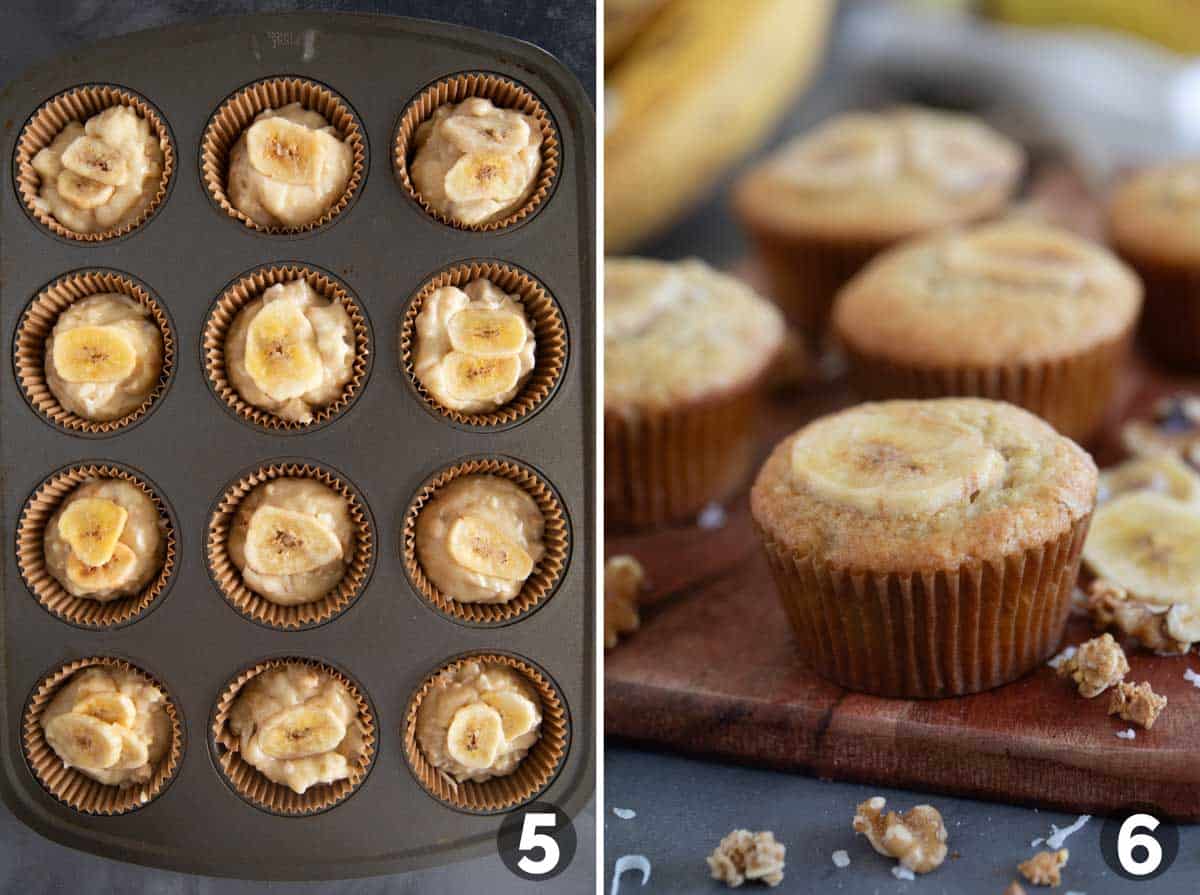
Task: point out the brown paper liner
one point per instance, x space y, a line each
29 353
532 776
546 575
1170 325
239 111
504 93
246 290
68 785
931 634
31 554
228 578
1071 393
252 785
549 330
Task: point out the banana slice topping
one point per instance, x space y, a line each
109 707
1016 258
93 354
518 715
94 579
285 151
92 526
636 293
300 732
854 150
489 132
498 176
486 332
481 547
281 351
95 160
476 736
286 542
83 741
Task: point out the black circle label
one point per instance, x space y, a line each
538 842
1139 842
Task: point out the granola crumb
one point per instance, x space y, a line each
917 838
743 856
1014 888
1044 868
624 578
1164 629
1099 664
1137 703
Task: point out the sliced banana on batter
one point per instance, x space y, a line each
111 708
485 175
93 354
95 160
82 192
518 714
853 151
486 332
113 573
285 151
285 542
468 377
493 132
1042 259
135 751
481 547
83 741
475 736
92 526
300 732
281 351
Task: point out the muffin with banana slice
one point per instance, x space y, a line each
831 199
297 725
475 162
925 548
478 721
475 347
288 167
479 538
100 174
290 351
106 541
104 357
292 539
110 724
1014 310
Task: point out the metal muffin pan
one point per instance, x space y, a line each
387 444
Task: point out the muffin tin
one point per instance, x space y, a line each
386 444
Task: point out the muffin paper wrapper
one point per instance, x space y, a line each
73 788
239 111
1170 326
532 776
550 357
505 94
252 785
944 632
37 323
31 554
546 575
247 289
79 104
255 607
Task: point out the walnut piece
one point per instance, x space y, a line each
1043 869
743 855
1137 703
1097 665
917 838
1164 629
623 580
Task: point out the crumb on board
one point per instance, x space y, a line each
1045 868
917 838
1137 703
1099 663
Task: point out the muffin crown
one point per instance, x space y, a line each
1153 216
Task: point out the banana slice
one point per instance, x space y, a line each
1148 544
82 192
92 526
112 574
475 736
285 151
955 155
494 132
486 332
281 351
134 751
853 151
94 159
93 354
300 732
485 175
471 378
1162 473
1041 260
83 741
284 542
518 714
481 547
882 459
636 292
111 708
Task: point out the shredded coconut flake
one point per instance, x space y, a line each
902 872
712 516
630 862
1057 837
1128 734
1062 657
1192 677
1036 842
625 813
841 858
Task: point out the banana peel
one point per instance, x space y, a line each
1173 23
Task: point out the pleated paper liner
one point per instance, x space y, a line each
31 555
252 785
29 350
228 578
504 93
532 776
239 111
250 287
68 785
931 634
544 317
546 575
1170 325
80 104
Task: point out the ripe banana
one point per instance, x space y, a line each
1163 473
475 736
468 377
285 151
486 332
285 542
110 707
481 547
498 176
281 350
518 715
84 741
93 354
300 732
93 159
92 526
82 192
111 574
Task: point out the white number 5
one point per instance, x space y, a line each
531 839
1128 840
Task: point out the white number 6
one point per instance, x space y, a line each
531 839
1128 840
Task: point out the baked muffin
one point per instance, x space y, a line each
104 357
828 201
1152 224
686 351
925 548
1014 310
476 163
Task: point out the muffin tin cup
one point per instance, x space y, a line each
929 634
228 579
79 104
68 785
37 323
31 555
531 777
504 93
239 111
251 286
550 332
546 575
252 785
